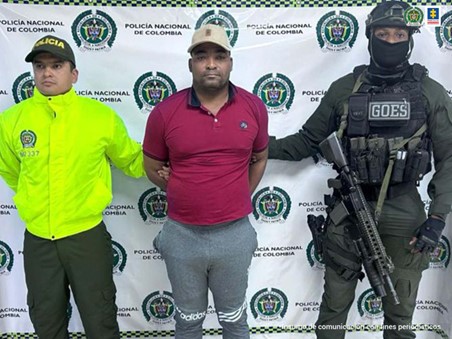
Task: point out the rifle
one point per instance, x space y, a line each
377 264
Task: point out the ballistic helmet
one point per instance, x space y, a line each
388 14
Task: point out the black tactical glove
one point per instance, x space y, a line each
428 234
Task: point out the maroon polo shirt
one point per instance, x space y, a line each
209 155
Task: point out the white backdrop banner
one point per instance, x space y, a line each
131 58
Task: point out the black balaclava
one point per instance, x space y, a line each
389 57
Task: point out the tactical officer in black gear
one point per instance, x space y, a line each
389 114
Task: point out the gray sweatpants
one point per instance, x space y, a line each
215 257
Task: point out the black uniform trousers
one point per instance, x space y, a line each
400 218
82 262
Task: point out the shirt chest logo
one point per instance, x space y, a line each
243 125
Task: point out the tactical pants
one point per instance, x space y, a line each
199 258
85 263
401 216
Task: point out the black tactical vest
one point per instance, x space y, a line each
380 117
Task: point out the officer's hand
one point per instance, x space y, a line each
427 237
164 172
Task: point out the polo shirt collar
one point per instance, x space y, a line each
194 101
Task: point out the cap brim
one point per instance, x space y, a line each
30 56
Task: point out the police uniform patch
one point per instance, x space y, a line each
28 139
389 110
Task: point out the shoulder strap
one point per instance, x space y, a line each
358 70
386 178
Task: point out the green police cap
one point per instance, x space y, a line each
53 45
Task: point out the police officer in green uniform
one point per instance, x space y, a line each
387 111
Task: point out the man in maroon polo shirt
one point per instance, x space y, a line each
208 133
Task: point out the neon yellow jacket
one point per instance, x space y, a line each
55 152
